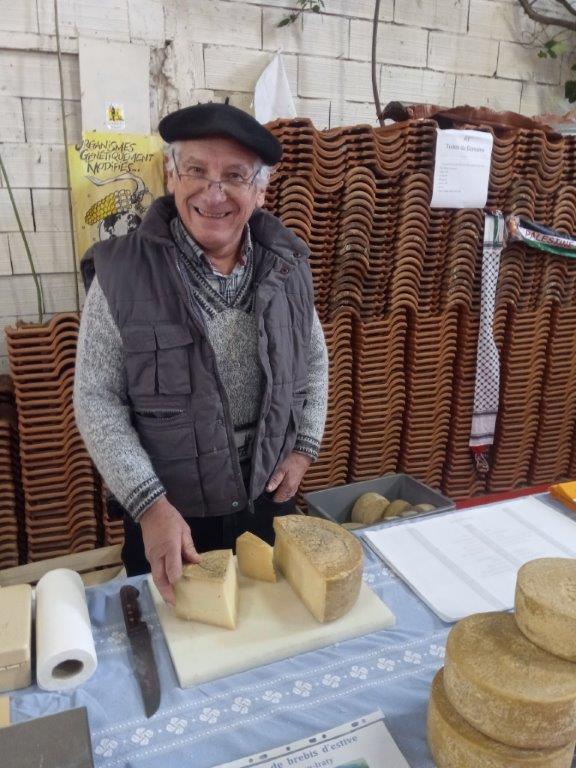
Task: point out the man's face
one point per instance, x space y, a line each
215 217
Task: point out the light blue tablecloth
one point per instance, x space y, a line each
260 709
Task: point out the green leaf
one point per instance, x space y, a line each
570 90
541 54
316 8
561 46
556 48
288 20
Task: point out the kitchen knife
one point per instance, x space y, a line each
142 652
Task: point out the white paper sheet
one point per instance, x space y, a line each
467 562
462 169
363 743
101 84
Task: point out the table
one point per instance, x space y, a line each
256 710
226 719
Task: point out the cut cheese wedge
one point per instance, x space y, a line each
545 604
321 561
507 687
208 591
455 744
255 557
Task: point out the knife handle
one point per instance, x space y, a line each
131 607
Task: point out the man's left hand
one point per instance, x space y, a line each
288 476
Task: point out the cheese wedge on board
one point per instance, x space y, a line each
321 561
545 604
454 743
208 591
507 687
255 557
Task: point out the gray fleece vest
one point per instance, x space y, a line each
171 367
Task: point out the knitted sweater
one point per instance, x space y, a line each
103 412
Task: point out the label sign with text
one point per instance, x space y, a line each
462 169
362 743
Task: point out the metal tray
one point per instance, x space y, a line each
336 503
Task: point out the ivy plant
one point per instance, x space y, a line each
316 6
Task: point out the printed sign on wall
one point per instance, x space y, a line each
114 178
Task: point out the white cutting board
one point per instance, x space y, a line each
273 624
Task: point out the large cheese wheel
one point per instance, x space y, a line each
545 604
507 687
455 744
321 561
208 591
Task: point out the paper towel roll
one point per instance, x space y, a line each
65 652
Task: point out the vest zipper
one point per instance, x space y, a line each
199 320
258 315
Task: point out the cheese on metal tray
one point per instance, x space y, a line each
545 604
255 557
507 687
208 591
322 562
454 743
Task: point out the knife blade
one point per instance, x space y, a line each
142 651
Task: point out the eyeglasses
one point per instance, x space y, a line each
232 183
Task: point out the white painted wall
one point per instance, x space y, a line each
440 51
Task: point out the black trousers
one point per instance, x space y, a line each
210 532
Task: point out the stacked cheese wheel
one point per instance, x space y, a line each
506 697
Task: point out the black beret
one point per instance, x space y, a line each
204 120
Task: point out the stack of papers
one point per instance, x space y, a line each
466 562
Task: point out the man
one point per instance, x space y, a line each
202 371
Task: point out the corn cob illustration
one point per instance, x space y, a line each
116 202
119 201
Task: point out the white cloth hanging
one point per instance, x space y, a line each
487 385
272 94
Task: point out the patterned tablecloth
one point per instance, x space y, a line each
256 710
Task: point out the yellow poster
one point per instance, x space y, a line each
114 179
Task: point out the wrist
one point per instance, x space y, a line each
157 507
304 458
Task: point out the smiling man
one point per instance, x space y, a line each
202 372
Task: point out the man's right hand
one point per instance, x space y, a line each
167 542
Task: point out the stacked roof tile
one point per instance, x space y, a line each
12 533
62 491
409 277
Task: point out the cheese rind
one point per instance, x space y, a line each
454 743
545 604
322 562
208 591
15 636
507 687
255 557
369 508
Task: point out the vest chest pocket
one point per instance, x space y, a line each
172 359
157 359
